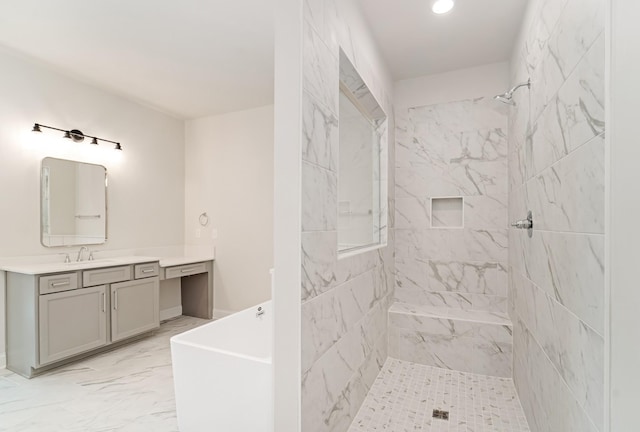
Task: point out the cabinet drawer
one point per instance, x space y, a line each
146 270
57 283
106 276
185 270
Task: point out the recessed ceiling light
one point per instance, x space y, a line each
442 6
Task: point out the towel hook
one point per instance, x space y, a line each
204 219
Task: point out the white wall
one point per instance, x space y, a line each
146 179
623 205
229 175
471 83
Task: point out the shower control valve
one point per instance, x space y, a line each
522 224
526 224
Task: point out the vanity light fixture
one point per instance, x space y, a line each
442 6
75 134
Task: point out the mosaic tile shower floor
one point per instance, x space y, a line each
404 395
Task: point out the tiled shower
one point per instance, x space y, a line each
459 300
451 280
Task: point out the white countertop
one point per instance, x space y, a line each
182 260
34 268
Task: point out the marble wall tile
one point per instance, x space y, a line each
489 303
476 177
517 167
423 181
452 149
576 350
320 70
582 98
320 327
580 24
479 354
344 299
319 198
353 266
486 212
548 403
412 212
541 29
313 12
570 268
453 244
325 319
574 116
319 134
336 384
556 278
569 196
319 262
467 277
433 326
490 245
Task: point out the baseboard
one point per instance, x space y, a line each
173 312
221 313
3 361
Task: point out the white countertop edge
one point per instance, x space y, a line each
175 261
58 267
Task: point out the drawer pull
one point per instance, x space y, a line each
148 270
115 300
104 302
59 284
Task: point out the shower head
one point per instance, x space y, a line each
507 97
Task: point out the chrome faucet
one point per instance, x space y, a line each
79 257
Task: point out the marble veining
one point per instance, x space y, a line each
556 169
319 134
476 342
319 198
452 149
129 389
405 394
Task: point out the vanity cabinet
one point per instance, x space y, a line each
56 318
71 323
135 307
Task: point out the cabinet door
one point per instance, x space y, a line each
72 322
135 307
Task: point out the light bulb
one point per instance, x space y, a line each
442 6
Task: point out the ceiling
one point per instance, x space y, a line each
417 42
189 58
192 58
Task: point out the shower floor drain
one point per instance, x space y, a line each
439 414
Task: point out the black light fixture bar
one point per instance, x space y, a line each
75 135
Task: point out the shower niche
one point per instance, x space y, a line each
447 212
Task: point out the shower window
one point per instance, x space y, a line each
363 125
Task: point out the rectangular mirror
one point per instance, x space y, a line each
362 141
73 209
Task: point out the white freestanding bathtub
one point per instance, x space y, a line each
222 374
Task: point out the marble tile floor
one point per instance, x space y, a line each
128 389
404 395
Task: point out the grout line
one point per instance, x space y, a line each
562 378
572 313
